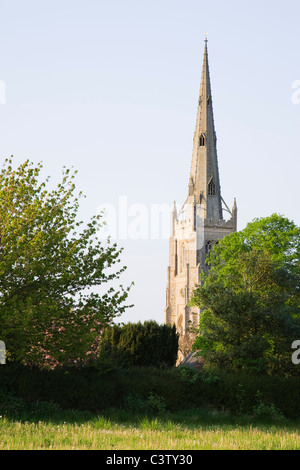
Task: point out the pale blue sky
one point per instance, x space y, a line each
111 88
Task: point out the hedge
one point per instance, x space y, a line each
88 389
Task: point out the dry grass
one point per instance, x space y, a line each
100 433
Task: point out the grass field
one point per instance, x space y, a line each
194 430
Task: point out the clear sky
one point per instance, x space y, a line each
111 88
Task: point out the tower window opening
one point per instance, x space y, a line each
202 140
211 188
208 247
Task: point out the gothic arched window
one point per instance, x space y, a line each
211 188
208 247
202 140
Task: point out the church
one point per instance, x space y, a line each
199 223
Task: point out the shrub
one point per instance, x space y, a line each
136 404
267 411
136 344
11 405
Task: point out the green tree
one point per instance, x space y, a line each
249 298
139 344
49 313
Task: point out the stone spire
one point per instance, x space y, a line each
198 225
204 181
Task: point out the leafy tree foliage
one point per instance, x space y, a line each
140 344
49 314
250 298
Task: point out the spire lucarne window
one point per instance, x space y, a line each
202 140
211 188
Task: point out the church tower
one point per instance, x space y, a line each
199 224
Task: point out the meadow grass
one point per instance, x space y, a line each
118 430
